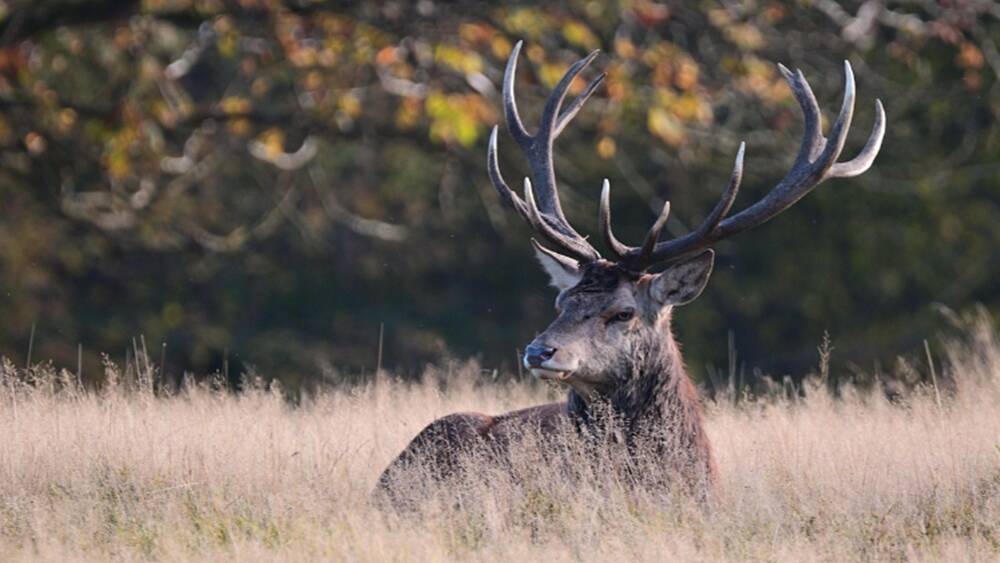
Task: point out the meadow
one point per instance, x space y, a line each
810 472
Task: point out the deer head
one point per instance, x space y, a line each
613 314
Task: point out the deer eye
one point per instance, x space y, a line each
622 316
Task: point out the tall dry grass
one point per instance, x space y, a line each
123 474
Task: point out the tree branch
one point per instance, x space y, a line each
32 17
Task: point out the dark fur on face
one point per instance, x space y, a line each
602 277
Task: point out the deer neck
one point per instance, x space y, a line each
652 393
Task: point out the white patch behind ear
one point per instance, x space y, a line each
563 271
682 283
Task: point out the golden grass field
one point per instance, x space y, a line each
203 475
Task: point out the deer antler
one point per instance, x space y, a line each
540 206
816 162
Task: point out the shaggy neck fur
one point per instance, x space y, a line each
651 404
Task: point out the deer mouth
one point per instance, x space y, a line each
552 374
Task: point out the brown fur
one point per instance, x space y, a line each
645 402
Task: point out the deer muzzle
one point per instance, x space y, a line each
544 362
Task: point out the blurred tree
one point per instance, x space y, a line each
272 181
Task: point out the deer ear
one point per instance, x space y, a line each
683 282
563 271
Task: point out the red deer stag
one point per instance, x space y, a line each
611 342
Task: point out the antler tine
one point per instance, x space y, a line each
577 248
577 103
528 211
816 161
643 257
507 195
866 157
812 136
551 115
511 116
725 203
539 153
838 133
631 255
654 234
564 260
618 249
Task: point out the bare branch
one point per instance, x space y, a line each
285 160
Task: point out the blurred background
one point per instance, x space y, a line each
275 184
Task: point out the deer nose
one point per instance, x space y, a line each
537 354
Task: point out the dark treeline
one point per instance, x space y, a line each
271 182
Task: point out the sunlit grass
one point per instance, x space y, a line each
124 474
